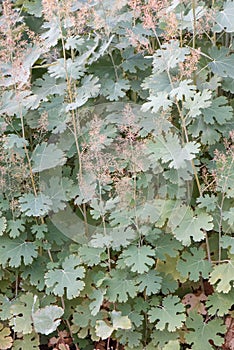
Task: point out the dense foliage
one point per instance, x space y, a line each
116 174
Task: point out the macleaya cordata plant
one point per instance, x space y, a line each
116 174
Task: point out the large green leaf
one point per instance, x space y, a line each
170 314
225 19
28 341
160 101
222 63
58 190
169 149
220 303
167 245
114 90
68 278
133 60
218 111
139 259
223 276
21 310
120 286
186 224
194 265
161 338
149 282
15 251
33 7
169 56
201 333
44 87
52 35
47 156
33 205
90 255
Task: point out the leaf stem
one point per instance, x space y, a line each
74 123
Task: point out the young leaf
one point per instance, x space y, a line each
209 201
39 230
3 224
170 314
44 87
229 216
14 141
89 89
193 264
5 338
46 320
47 156
119 321
223 275
69 278
103 330
228 243
15 227
201 332
97 296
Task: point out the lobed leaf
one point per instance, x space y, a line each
171 314
223 276
68 278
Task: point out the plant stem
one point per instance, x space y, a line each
73 115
